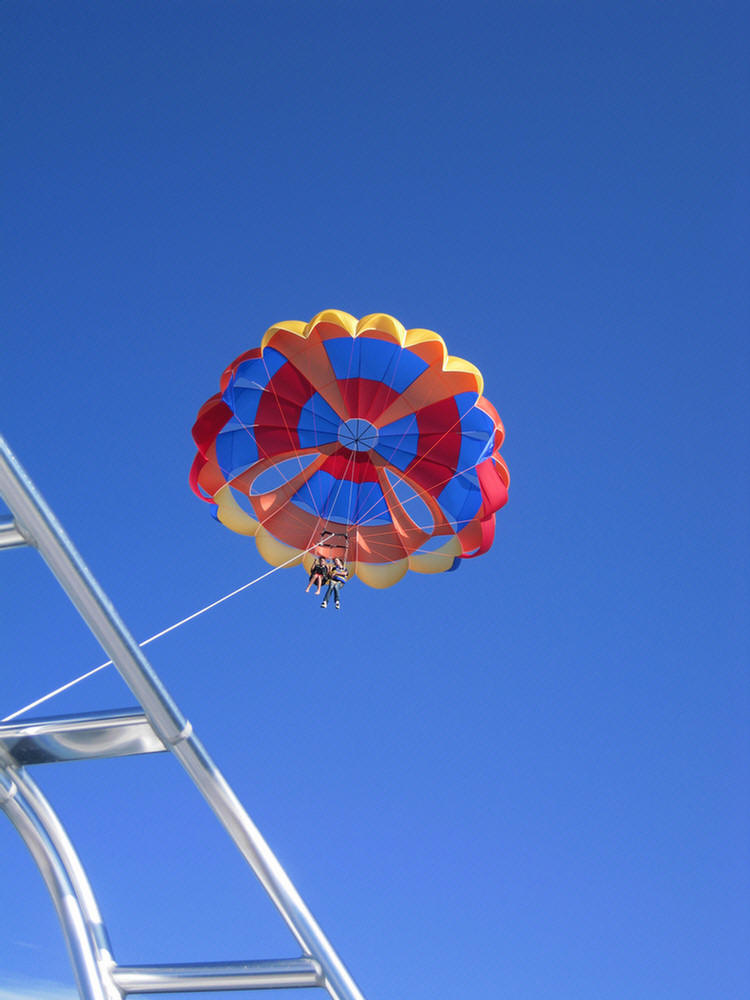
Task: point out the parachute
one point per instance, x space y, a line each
354 435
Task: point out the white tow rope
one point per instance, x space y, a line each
158 635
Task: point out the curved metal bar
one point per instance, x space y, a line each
85 934
38 521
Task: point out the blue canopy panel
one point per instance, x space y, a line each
375 360
477 437
254 375
461 499
342 500
318 423
236 449
398 442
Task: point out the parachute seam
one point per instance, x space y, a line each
286 427
294 453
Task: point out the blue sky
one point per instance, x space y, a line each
527 779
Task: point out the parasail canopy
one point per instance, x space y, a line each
354 435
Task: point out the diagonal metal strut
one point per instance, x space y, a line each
35 524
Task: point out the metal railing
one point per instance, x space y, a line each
161 727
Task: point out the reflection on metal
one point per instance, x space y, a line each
112 734
79 737
10 536
277 975
82 926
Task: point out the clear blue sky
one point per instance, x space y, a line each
527 779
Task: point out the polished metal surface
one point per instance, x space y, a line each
10 536
116 733
264 975
45 533
41 527
83 929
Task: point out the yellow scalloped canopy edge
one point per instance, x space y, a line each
437 561
231 515
383 323
276 553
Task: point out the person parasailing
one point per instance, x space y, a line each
337 577
318 574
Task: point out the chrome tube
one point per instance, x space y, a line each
10 536
272 876
83 930
175 732
43 530
117 733
264 975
